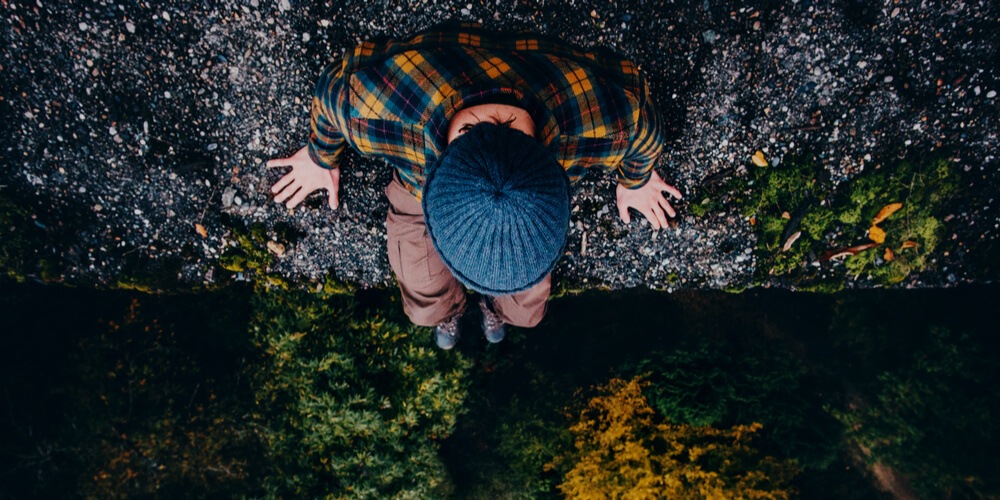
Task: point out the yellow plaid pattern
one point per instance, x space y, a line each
394 99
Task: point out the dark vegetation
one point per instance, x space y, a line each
244 392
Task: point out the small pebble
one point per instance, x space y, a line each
991 94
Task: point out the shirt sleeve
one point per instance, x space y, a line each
647 145
326 141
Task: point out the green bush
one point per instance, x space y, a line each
934 418
148 418
720 384
352 404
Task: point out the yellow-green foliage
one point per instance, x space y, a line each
830 219
250 253
353 404
624 451
19 239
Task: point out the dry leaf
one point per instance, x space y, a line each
886 212
201 230
888 255
876 234
753 220
909 244
758 159
791 239
786 215
844 252
276 248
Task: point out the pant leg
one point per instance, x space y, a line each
527 308
430 293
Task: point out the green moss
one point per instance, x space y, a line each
233 262
20 238
700 209
796 197
134 285
250 254
562 287
332 286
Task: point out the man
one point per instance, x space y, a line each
486 132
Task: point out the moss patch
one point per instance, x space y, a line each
797 198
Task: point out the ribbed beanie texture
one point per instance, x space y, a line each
497 209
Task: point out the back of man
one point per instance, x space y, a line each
563 111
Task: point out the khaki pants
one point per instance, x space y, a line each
431 294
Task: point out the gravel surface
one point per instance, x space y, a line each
131 125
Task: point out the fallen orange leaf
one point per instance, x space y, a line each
844 252
753 220
888 255
886 212
876 234
201 230
909 244
758 159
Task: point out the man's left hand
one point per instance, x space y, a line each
648 200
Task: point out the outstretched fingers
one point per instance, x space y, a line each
672 190
282 183
623 213
299 197
287 193
661 219
278 162
650 216
665 205
333 199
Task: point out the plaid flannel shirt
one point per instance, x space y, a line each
394 99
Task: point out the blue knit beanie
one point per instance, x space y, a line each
497 209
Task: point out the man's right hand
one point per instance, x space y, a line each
305 178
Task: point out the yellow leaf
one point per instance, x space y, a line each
201 230
758 159
888 255
909 244
886 212
876 234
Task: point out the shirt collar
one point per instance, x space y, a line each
436 128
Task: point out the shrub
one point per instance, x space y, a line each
352 404
624 451
934 419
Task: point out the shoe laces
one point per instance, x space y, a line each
450 325
490 319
